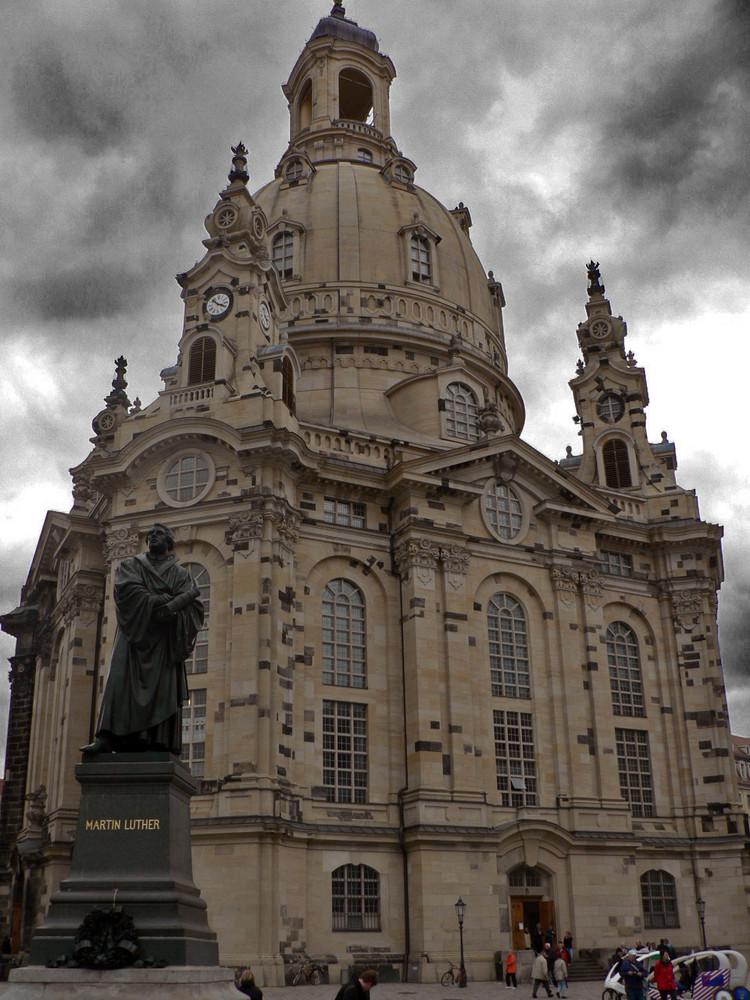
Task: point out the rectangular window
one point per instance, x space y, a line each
345 751
634 766
194 732
350 515
617 563
514 758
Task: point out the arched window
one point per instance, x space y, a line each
355 96
509 651
365 155
282 249
616 464
197 662
461 412
503 510
624 670
421 259
524 877
194 732
287 385
202 363
344 635
355 898
401 174
305 105
659 900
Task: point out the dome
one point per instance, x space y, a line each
357 227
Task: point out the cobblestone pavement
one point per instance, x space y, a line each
583 990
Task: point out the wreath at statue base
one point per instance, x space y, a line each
107 939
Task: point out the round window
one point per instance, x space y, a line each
503 511
186 479
294 170
610 408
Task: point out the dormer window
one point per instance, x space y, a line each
355 96
282 250
461 412
402 174
616 459
202 361
421 259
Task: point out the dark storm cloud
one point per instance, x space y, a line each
86 292
53 102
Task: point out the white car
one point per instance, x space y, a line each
702 975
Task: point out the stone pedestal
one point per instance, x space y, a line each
179 983
132 849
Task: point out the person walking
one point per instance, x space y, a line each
561 976
664 976
510 971
540 974
359 988
632 976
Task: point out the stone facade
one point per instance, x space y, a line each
437 663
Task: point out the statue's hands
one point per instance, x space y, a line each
175 604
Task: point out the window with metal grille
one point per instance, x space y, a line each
421 260
523 877
287 385
659 900
202 361
187 478
282 250
617 563
461 412
625 677
344 658
503 510
349 514
355 898
194 732
197 662
345 751
634 766
509 651
616 464
515 765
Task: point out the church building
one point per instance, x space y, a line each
436 663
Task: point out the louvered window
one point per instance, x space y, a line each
202 364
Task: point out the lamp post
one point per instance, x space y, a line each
700 905
460 910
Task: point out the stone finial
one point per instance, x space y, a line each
338 9
595 285
239 164
118 396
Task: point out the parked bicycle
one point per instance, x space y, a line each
455 976
311 971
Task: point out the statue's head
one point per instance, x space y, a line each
161 529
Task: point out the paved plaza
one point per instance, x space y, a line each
584 990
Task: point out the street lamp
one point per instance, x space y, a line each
460 910
700 905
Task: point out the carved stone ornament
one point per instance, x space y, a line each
591 587
488 418
21 675
418 556
455 563
84 496
246 526
686 608
506 466
565 582
120 543
36 809
83 601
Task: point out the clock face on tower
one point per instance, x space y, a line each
218 304
264 314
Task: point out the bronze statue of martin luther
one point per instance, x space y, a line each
159 615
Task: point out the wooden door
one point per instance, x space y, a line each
547 917
516 923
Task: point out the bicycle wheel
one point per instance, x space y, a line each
316 976
448 979
297 977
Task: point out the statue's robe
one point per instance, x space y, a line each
147 686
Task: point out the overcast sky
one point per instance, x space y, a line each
571 130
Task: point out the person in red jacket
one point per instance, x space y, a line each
664 976
510 971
